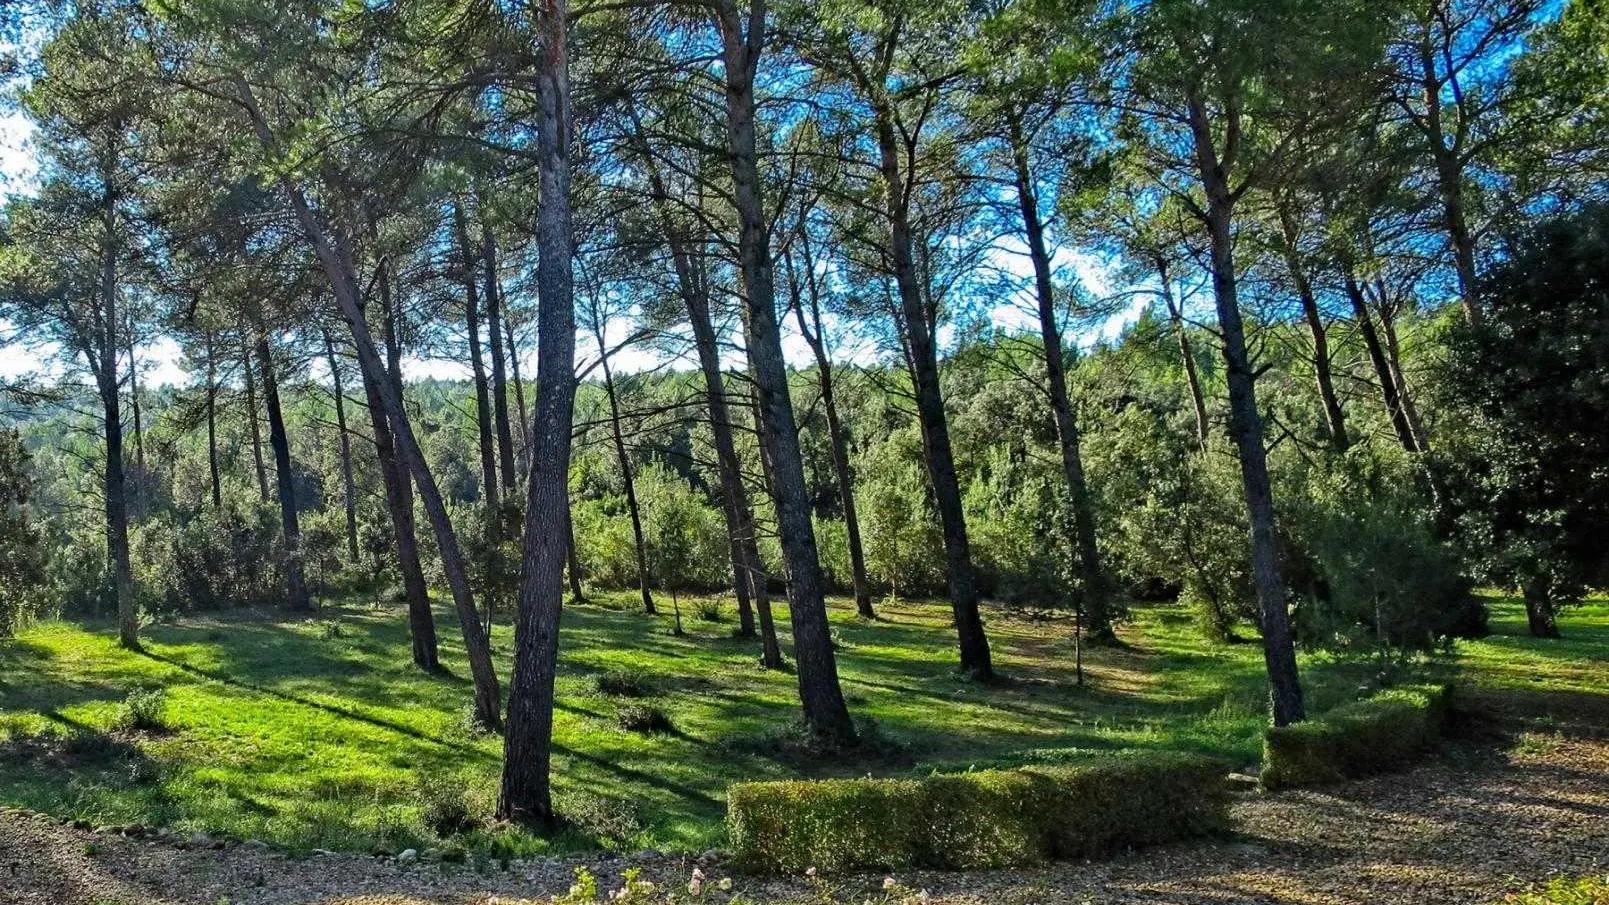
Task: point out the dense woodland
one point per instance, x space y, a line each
1295 310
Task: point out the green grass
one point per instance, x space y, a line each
320 733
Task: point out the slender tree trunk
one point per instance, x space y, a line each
1246 429
336 260
742 39
116 486
477 364
524 452
296 596
1540 611
572 563
212 426
1096 618
644 582
836 435
1334 419
256 428
399 502
1410 412
140 473
348 488
1192 376
494 338
526 792
1449 183
1382 367
920 326
770 648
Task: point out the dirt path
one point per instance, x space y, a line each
1467 827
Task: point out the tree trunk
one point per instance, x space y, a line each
256 429
819 691
524 453
140 474
494 338
399 502
212 426
1096 617
1394 358
1192 376
1246 429
1540 611
348 489
572 563
116 486
1334 419
477 364
836 435
296 596
920 346
1382 366
526 792
336 261
1449 183
644 582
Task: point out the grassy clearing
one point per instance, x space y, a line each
319 733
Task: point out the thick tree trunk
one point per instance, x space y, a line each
494 338
212 426
526 792
256 428
1334 419
742 38
399 503
920 346
1540 610
296 596
1382 366
1246 429
1095 615
336 260
644 580
348 488
836 435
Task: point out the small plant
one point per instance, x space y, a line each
445 804
644 718
1565 891
328 630
711 611
614 820
628 683
144 710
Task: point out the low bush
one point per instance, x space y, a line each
627 683
644 718
1383 733
984 819
144 710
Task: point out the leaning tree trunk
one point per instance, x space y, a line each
819 690
1198 397
335 259
624 459
836 435
526 792
1095 619
920 346
1246 429
1334 419
348 490
296 596
1399 379
1382 367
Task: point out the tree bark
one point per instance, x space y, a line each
335 259
115 481
920 346
1540 610
644 581
1449 182
477 364
836 435
525 795
1246 424
1388 323
1382 367
212 426
819 691
256 428
296 596
494 339
348 488
399 502
1096 617
1334 418
523 455
1192 376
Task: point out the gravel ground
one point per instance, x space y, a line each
1469 826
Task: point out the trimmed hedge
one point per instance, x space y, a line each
1377 735
971 821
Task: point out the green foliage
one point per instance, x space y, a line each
1566 891
22 556
985 819
628 682
212 559
1383 733
644 718
144 710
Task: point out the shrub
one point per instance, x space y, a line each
711 611
984 819
627 683
1565 891
446 804
610 819
1380 734
144 710
644 718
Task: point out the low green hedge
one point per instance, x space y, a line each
970 821
1380 734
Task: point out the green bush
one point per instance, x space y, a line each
1377 735
144 710
627 683
971 821
1564 891
645 719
